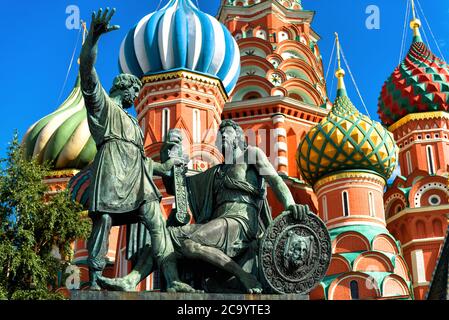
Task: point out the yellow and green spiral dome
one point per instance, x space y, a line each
62 138
346 140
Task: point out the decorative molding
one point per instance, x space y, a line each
278 118
423 210
418 116
280 146
185 75
349 175
269 101
281 161
280 132
424 240
355 220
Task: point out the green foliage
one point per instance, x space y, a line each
32 226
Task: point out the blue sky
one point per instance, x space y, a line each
37 48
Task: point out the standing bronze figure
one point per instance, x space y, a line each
122 190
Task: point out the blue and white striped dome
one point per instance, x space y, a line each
180 36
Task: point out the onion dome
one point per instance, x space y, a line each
346 140
419 84
62 138
180 36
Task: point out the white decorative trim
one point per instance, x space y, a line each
165 122
177 101
196 126
417 210
409 162
280 132
423 284
372 204
278 119
418 267
355 223
419 241
353 186
325 211
429 186
318 111
281 161
280 146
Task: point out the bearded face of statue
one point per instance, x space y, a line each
228 143
129 95
297 252
127 88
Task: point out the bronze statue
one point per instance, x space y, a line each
228 203
122 189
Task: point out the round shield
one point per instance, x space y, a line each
295 255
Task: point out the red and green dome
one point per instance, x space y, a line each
419 84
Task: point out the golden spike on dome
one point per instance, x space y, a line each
340 73
415 24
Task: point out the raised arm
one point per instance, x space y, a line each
277 184
89 78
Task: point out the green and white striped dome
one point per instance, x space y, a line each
62 138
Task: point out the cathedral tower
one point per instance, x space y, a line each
414 105
281 92
347 158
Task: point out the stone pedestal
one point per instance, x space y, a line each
157 296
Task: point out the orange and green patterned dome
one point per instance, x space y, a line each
419 84
346 140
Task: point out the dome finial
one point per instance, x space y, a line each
340 73
415 25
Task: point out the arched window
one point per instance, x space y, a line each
372 207
430 161
251 96
421 229
408 157
296 97
437 228
345 198
196 126
165 123
325 214
354 286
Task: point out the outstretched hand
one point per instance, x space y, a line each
299 211
101 23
